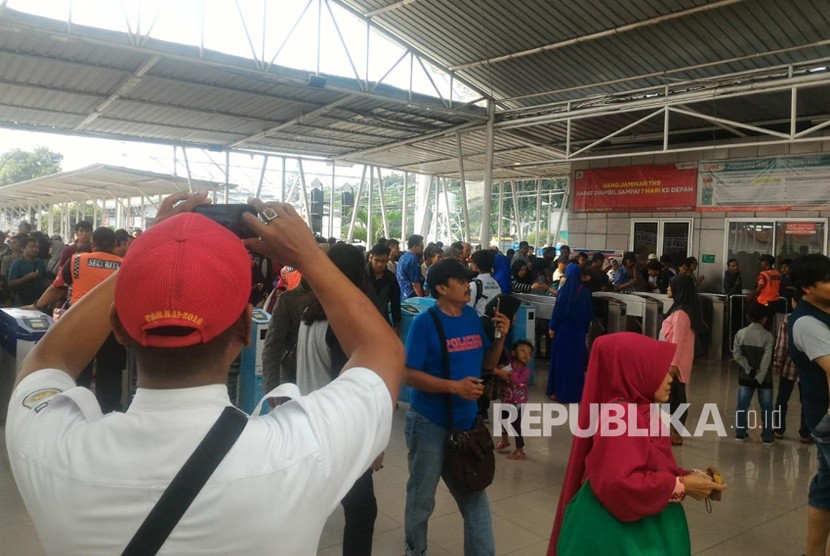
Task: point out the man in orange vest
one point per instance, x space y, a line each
769 285
82 272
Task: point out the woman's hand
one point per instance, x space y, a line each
699 485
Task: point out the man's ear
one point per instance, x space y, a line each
117 328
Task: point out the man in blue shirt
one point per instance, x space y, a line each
408 272
625 279
427 427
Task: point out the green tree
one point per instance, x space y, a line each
17 165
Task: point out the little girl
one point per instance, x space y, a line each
516 374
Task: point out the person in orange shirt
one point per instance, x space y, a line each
768 289
82 272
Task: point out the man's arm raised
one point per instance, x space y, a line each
365 336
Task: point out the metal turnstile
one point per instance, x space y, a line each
250 388
714 312
524 328
20 330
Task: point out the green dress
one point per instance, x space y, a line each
589 529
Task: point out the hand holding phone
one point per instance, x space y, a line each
229 216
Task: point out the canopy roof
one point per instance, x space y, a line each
569 80
93 183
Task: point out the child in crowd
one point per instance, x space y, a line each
752 350
516 374
786 370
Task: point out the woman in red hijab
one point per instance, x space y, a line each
619 491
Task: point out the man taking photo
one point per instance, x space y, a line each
180 302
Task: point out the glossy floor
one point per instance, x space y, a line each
762 513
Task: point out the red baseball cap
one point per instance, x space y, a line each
183 282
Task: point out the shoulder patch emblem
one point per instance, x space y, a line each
39 399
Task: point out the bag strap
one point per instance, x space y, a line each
187 483
445 360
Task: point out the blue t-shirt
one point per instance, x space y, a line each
621 276
467 343
408 272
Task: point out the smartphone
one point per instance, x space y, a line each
230 216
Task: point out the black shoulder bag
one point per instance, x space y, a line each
470 457
187 483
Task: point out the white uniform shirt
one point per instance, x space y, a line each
490 289
89 480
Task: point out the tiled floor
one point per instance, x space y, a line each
763 511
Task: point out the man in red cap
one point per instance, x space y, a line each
180 301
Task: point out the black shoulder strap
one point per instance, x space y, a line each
479 291
445 359
187 483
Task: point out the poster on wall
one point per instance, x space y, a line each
660 188
764 184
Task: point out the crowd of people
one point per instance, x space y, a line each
333 365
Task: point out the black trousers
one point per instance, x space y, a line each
109 364
677 397
360 508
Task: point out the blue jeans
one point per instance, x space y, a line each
764 399
426 442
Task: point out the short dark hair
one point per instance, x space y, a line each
523 244
414 240
564 248
393 243
380 250
597 257
83 225
158 361
26 241
629 256
786 262
756 312
731 260
582 255
809 270
122 235
103 238
484 260
523 342
431 250
563 259
690 261
654 264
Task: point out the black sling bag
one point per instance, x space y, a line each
187 483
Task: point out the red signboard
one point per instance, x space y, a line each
800 228
666 187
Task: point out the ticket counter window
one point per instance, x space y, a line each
746 240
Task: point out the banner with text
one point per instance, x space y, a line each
660 188
778 183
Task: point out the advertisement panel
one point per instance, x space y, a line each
659 188
764 184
